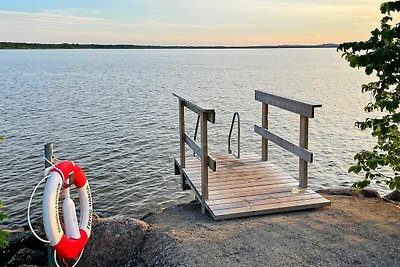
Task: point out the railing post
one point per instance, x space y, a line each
303 167
204 161
49 155
264 145
182 132
182 140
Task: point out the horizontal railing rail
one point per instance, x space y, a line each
210 113
212 164
289 146
296 106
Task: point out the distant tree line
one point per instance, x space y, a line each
13 45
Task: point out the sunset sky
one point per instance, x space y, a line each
180 22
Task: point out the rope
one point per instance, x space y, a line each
79 258
30 203
29 209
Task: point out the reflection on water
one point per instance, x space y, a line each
113 112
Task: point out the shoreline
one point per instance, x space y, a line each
25 46
348 233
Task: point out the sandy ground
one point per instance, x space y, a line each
353 231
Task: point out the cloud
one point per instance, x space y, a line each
223 22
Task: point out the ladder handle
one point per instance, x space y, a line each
230 134
195 131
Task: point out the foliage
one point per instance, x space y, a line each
3 234
380 55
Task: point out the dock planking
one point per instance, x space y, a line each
249 186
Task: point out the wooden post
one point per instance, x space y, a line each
182 140
303 167
264 145
49 155
204 161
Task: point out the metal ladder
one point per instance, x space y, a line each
236 114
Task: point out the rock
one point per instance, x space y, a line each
19 241
394 196
115 242
28 256
349 191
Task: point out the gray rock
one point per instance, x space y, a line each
115 242
349 191
393 196
19 241
28 256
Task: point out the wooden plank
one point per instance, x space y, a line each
250 186
183 177
252 191
192 185
193 163
296 106
303 167
264 141
204 161
242 179
222 191
212 202
177 167
197 109
254 204
246 183
225 177
229 159
212 164
238 192
232 173
297 150
268 209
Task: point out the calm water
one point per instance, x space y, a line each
112 111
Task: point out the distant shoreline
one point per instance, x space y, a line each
14 45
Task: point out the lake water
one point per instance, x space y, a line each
112 111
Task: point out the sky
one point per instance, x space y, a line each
188 22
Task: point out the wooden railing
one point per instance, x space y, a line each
206 115
306 111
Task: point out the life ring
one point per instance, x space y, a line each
65 245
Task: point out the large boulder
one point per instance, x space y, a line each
18 241
393 196
28 256
115 242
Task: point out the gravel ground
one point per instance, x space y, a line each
354 231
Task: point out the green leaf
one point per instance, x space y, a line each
4 238
361 184
368 70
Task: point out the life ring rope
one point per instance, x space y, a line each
29 210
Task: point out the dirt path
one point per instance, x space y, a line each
352 232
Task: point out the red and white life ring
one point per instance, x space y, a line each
67 245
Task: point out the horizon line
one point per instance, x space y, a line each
38 45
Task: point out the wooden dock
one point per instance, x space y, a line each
249 185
